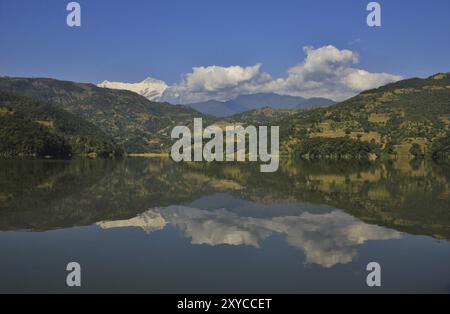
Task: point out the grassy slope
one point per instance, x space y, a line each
394 116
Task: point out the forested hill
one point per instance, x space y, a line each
262 116
31 127
406 118
137 123
409 117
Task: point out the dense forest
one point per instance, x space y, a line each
133 121
440 149
20 136
31 127
336 148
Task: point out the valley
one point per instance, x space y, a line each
407 119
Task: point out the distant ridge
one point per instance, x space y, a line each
249 102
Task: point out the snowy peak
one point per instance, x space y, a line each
150 88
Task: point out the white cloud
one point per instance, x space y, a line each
325 72
215 78
362 80
216 82
329 72
324 60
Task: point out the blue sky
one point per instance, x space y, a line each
130 40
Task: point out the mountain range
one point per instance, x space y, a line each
154 90
248 102
406 118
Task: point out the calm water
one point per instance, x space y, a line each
150 225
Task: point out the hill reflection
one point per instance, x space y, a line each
408 197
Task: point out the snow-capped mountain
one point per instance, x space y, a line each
150 88
214 103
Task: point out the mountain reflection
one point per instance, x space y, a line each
326 238
333 206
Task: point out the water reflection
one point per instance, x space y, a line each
309 227
325 238
42 195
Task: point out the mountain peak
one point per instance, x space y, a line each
151 80
150 88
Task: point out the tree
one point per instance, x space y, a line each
416 151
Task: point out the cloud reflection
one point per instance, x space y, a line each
326 239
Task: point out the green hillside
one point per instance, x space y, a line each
31 127
22 137
262 115
409 118
406 118
132 120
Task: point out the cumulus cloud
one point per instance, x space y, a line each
325 72
216 78
329 72
216 82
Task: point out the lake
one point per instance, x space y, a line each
153 225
